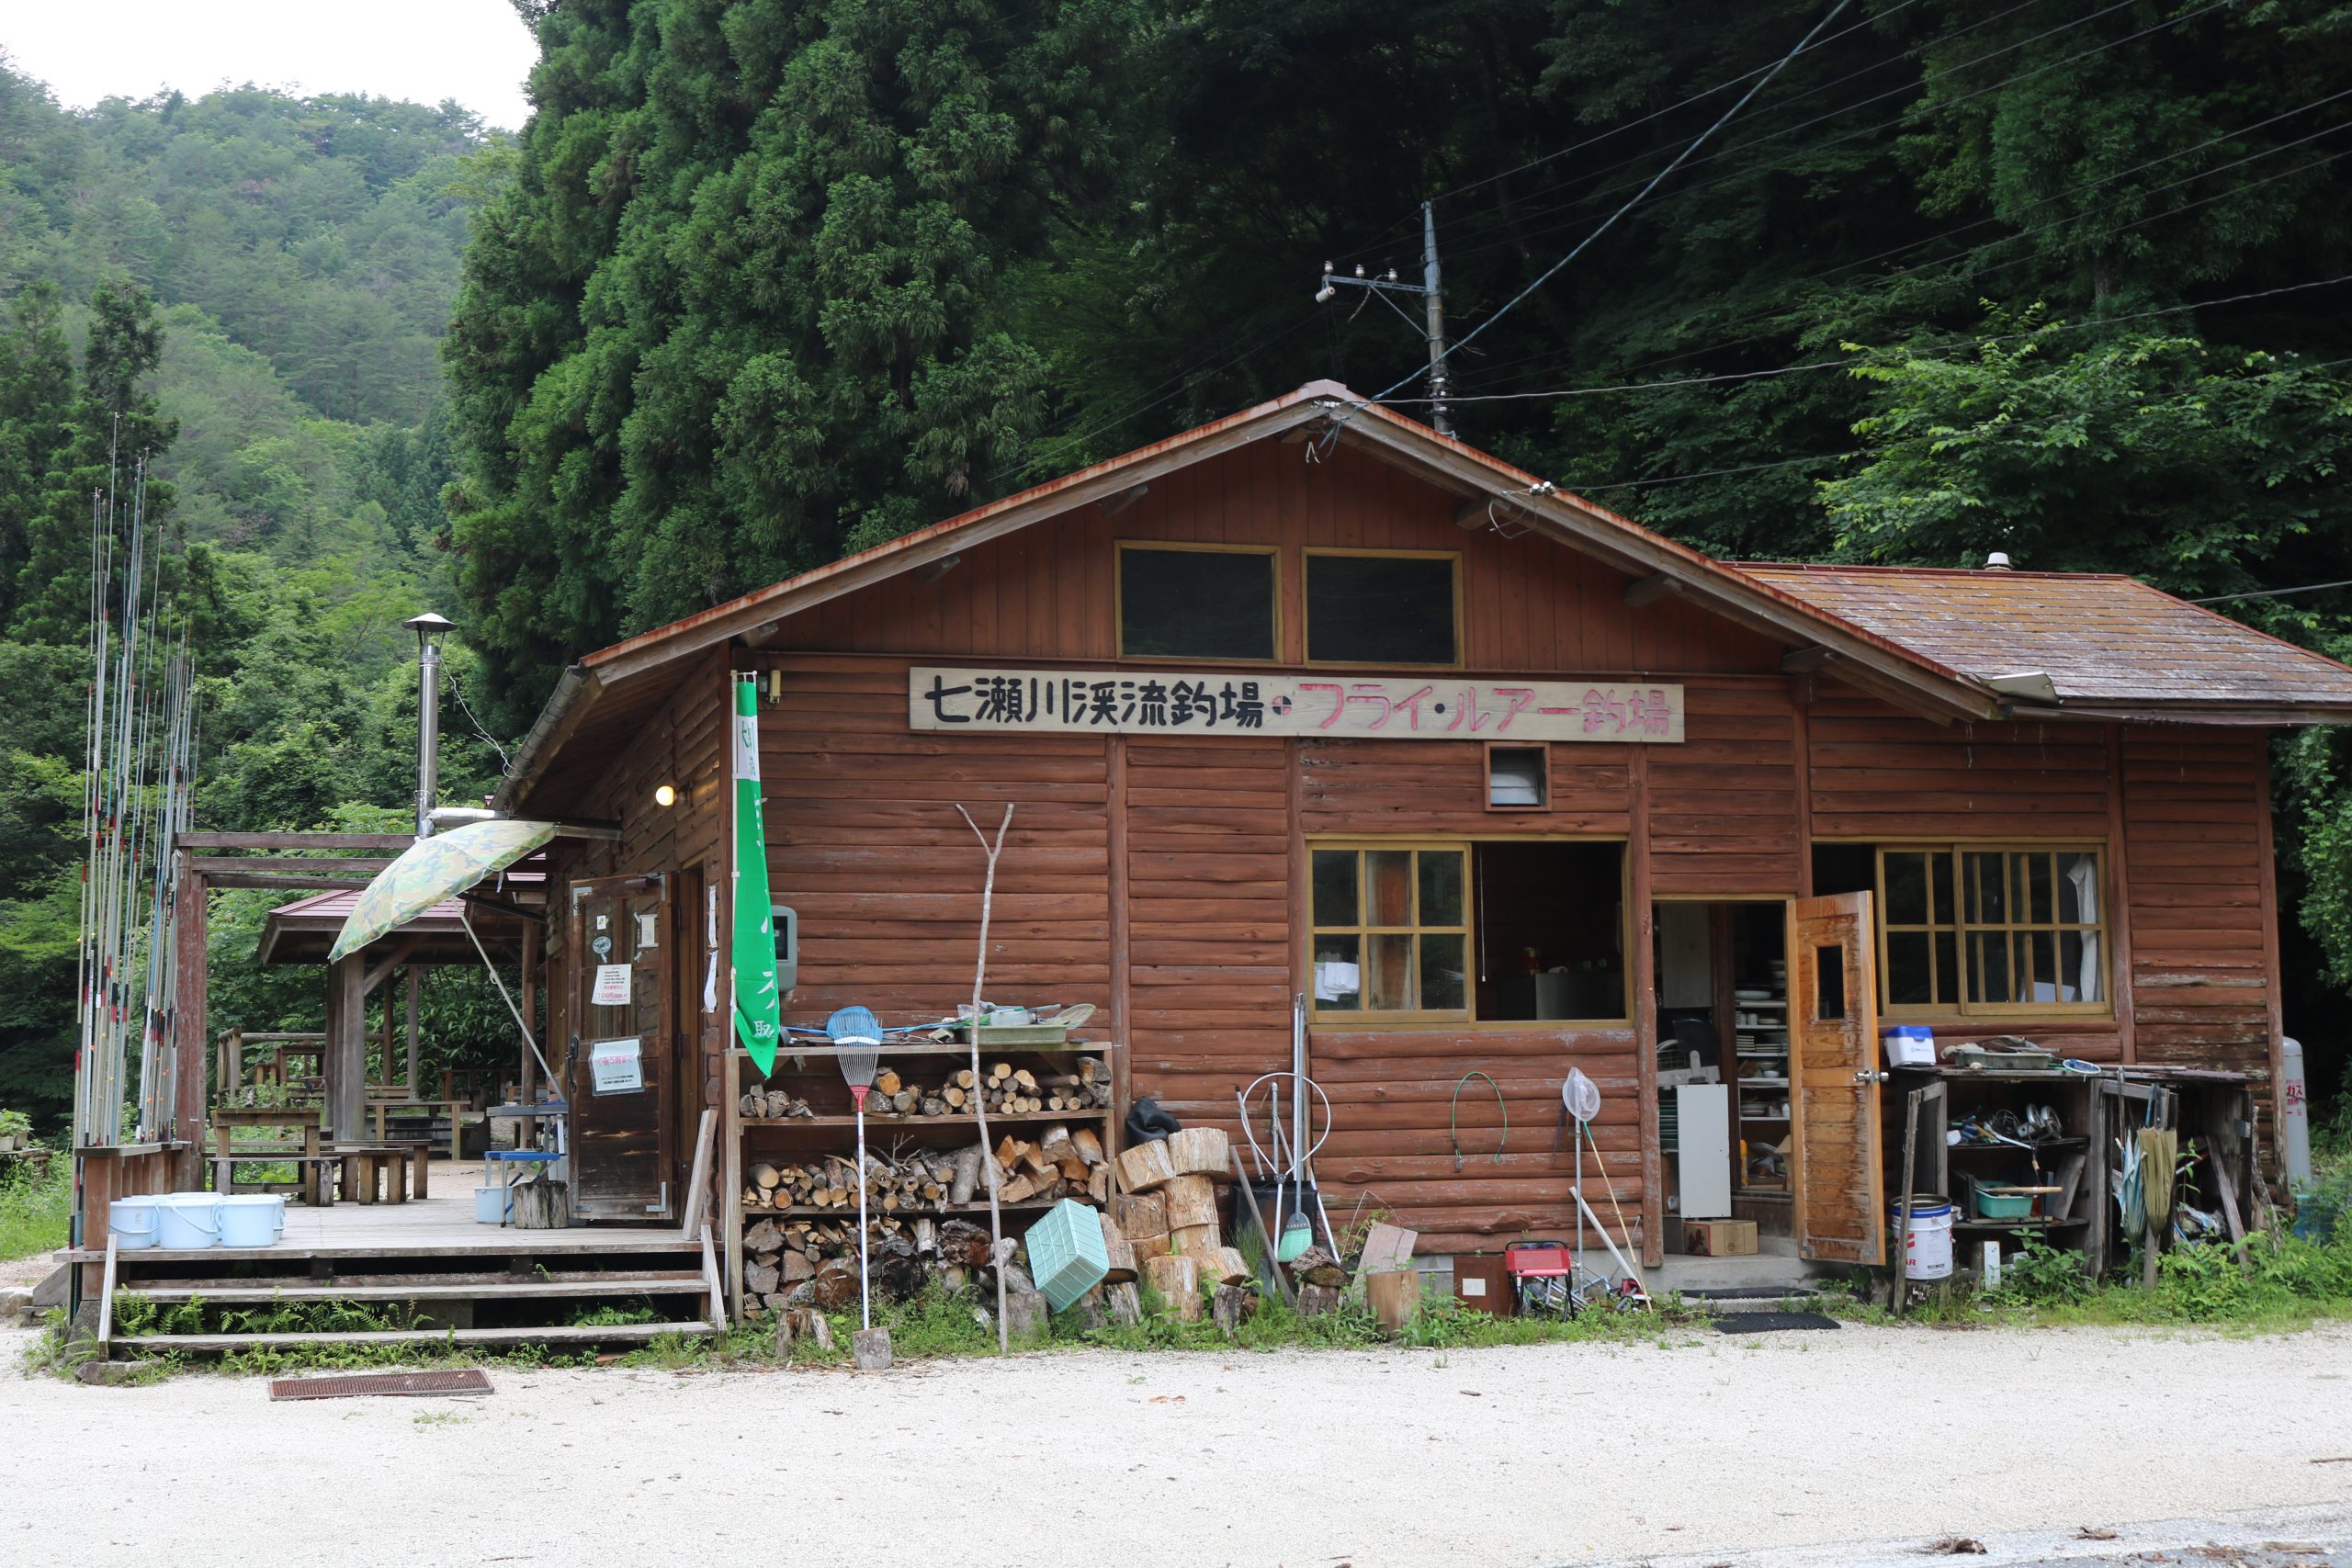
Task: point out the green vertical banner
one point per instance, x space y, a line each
758 1021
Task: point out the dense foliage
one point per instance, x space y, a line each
246 291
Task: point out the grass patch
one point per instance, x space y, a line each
35 1212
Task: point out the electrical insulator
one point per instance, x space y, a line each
1326 269
1359 269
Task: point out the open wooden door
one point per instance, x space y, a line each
624 1050
1834 1078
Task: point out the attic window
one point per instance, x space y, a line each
1197 602
1382 607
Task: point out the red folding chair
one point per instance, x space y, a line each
1542 1275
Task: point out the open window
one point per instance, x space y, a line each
1477 931
1197 602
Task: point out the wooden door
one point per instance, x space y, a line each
624 1147
1834 1079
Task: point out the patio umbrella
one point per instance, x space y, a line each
434 869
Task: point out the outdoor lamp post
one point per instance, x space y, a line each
428 628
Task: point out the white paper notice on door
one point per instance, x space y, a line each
618 1067
612 985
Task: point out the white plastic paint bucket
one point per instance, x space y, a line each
252 1219
187 1220
491 1205
1926 1249
132 1223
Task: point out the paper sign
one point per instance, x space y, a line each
1334 704
616 1066
612 985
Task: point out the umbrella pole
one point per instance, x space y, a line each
465 919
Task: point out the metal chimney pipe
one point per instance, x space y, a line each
428 628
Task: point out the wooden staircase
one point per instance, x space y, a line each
531 1298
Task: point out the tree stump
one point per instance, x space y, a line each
802 1323
1178 1281
870 1348
1026 1316
1314 1301
1124 1304
1394 1298
1233 1306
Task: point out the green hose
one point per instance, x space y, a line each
1454 1112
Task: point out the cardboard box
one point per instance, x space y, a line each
1718 1238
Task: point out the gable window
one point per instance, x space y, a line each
1967 929
1382 607
1197 602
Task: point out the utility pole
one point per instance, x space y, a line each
1433 304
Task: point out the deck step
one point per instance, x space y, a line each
588 1335
667 1282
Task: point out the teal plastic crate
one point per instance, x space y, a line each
1067 1257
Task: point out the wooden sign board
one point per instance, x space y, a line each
1334 704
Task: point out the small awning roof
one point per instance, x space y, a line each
2106 643
302 931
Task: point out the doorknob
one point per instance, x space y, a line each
1868 1077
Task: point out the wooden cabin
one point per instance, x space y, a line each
1314 702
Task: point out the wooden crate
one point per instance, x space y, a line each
1718 1238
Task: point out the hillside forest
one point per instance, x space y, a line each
762 281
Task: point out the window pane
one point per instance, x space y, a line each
1380 609
2037 966
2078 890
1388 887
1388 973
1196 603
1941 867
1338 980
1441 887
2036 877
1947 966
1988 902
1907 889
1335 887
1441 972
1908 982
2082 977
1829 984
1989 961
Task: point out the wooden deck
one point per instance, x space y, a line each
441 1224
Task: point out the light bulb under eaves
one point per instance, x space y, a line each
665 795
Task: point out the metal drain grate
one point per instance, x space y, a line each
470 1381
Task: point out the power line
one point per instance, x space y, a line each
1760 86
2272 593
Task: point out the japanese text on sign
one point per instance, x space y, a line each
1337 706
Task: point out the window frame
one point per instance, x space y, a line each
1119 600
1964 1007
1305 598
1542 749
1466 1016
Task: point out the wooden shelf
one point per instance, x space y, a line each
2025 1225
2055 1146
895 1123
952 1048
1761 1083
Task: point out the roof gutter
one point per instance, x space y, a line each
575 689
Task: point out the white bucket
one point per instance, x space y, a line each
187 1220
491 1205
1909 1045
252 1219
1927 1251
132 1223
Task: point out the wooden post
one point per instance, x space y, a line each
345 1062
189 1028
526 1131
1122 979
1801 695
2119 906
2274 1058
415 986
1641 974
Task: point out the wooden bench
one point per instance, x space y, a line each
366 1167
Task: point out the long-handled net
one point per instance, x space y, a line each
856 1035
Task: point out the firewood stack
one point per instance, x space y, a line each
1167 1217
793 1264
763 1104
1002 1088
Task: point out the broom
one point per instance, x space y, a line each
2158 1145
856 1035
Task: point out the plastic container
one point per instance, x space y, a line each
132 1223
187 1220
252 1219
1926 1246
1067 1257
1991 1201
493 1205
1908 1045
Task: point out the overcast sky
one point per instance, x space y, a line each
477 51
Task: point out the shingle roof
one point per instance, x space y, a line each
2101 639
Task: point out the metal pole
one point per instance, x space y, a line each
1434 301
428 733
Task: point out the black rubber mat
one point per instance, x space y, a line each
1770 1322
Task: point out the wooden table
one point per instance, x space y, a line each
380 1112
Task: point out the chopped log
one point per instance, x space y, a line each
835 1283
1124 1303
931 1105
1073 1169
1025 1078
1314 1301
1122 1256
1000 1072
794 1266
1232 1306
1315 1265
1394 1298
968 1174
926 1237
1087 1144
903 1101
1143 1219
963 1244
1178 1281
1200 1243
887 1081
1098 1184
1191 1200
954 1097
759 1278
802 1323
1230 1267
763 1238
1036 1159
1056 1145
1008 1151
1020 1190
1026 1316
765 1176
963 1078
870 1348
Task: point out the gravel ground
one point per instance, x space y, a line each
1530 1455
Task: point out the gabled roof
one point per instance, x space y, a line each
599 701
2104 642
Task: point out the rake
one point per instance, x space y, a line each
856 1035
